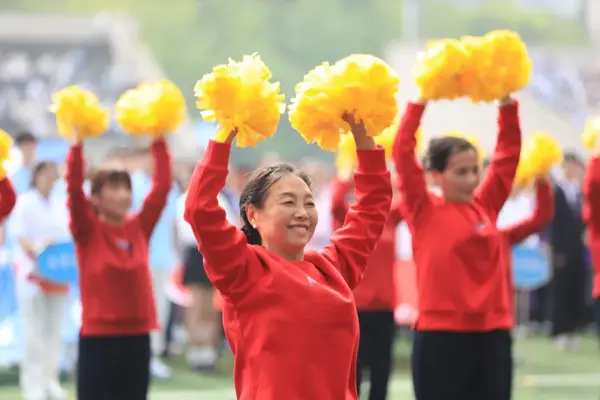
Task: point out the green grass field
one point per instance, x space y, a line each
542 373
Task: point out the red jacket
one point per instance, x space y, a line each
8 198
292 325
461 257
114 278
376 291
591 216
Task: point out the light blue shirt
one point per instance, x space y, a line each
163 254
21 179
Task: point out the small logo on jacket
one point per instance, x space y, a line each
311 280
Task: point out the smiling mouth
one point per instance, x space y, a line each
299 228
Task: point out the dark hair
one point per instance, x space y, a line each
22 138
39 167
441 149
257 189
572 157
103 177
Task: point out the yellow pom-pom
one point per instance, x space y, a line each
438 71
360 85
538 154
6 143
79 113
590 133
346 156
471 139
239 96
152 108
502 62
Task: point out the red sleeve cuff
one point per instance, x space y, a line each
217 154
509 111
372 160
159 142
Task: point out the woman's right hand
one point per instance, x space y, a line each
231 136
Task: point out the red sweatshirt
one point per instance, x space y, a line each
292 325
376 291
591 216
8 197
114 278
460 256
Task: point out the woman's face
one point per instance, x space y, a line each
113 201
460 178
288 218
47 177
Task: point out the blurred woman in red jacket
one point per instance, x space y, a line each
462 344
289 314
374 296
111 245
591 217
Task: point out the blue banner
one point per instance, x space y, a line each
58 264
530 267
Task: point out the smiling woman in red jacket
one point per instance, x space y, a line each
591 217
462 344
289 315
116 289
374 296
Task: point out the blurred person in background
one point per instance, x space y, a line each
39 220
163 255
201 318
27 145
568 314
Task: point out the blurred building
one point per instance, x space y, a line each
40 54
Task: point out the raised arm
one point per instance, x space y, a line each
162 177
409 172
339 206
591 194
498 181
8 197
352 245
396 210
542 215
80 209
223 246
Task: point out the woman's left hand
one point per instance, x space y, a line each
363 142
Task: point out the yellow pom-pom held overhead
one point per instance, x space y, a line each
591 132
539 153
240 96
360 85
438 71
78 112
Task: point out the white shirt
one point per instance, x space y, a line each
184 230
39 220
516 209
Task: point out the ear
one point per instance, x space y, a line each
252 214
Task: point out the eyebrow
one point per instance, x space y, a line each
290 194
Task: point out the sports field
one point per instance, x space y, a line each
542 374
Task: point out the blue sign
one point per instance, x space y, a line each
58 264
530 266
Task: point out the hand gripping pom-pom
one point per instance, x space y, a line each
589 137
240 96
359 85
79 113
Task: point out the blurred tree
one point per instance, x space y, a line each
292 36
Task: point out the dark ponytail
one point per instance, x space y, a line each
256 190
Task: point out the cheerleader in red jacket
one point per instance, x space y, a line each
289 314
374 296
462 344
111 245
591 216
